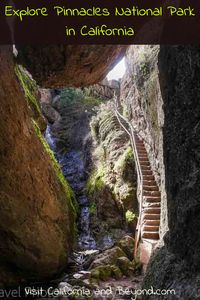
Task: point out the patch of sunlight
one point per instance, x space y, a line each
118 71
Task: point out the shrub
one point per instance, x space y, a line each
130 216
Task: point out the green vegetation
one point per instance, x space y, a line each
125 112
74 96
96 181
144 68
89 101
144 65
125 158
93 208
94 126
30 89
68 191
70 96
101 272
107 124
130 216
104 126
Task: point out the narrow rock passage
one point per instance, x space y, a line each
102 265
93 273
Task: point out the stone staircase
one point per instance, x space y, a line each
149 197
151 205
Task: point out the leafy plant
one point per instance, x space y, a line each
130 216
93 208
96 181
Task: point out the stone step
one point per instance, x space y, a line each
154 228
142 152
150 188
151 193
139 144
151 199
151 223
147 172
145 168
144 163
152 210
143 158
149 183
143 155
151 204
140 147
148 177
150 235
147 216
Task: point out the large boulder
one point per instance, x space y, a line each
46 98
108 257
127 244
69 65
37 218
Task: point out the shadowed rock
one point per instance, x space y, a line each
71 65
36 224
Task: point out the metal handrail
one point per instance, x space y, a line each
131 133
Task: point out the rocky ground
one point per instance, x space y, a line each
109 274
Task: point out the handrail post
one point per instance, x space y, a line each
131 134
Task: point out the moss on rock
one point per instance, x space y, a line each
70 197
96 181
116 272
125 265
30 89
101 272
127 244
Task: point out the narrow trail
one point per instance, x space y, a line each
149 196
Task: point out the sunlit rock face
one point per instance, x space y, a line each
160 94
71 65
